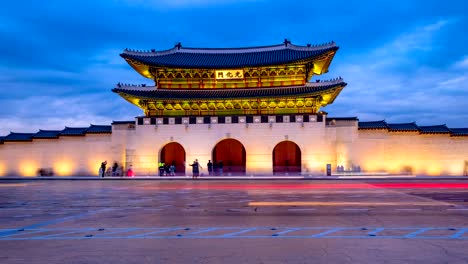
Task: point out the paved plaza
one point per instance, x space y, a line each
249 221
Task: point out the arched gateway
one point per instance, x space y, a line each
174 153
286 158
232 155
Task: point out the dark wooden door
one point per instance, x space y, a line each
286 158
174 153
232 154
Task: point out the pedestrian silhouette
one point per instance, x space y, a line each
195 169
210 167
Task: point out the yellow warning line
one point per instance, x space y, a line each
13 184
305 203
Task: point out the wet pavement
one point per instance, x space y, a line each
287 221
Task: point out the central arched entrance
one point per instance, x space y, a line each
174 153
286 158
232 155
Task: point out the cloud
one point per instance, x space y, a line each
453 83
378 88
51 99
400 51
463 63
51 112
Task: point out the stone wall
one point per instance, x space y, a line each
410 152
80 155
339 143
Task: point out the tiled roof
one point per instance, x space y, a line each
458 132
225 58
434 129
99 129
18 137
439 129
228 93
373 125
123 122
73 131
68 131
47 134
403 127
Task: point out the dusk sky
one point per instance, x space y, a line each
404 61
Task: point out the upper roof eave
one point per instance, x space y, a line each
193 58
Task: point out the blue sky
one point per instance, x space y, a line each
404 61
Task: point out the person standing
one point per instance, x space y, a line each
114 169
210 167
130 172
172 169
215 168
103 168
220 167
167 169
161 168
195 169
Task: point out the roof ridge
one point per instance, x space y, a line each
444 125
285 45
90 125
75 127
383 120
22 133
405 123
47 130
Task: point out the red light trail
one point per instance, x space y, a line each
308 186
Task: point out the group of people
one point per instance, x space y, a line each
352 169
166 169
215 168
115 170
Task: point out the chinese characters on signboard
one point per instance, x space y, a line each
229 74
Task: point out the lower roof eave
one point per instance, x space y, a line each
232 94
